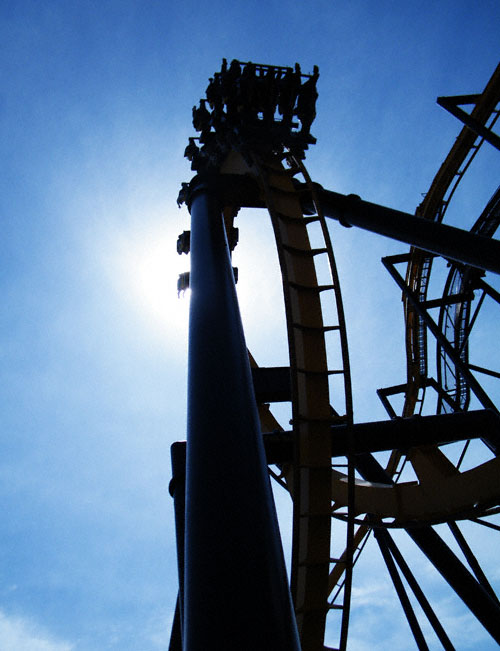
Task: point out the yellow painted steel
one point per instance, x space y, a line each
441 492
308 478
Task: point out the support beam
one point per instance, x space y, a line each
461 580
350 210
405 433
272 384
400 590
236 593
399 433
472 560
450 242
491 291
452 104
177 489
417 591
175 634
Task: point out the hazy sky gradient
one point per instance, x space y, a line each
95 112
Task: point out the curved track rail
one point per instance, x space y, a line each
457 319
317 402
434 207
463 494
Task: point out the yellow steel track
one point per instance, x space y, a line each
319 491
314 408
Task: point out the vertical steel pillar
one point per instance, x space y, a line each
236 593
177 489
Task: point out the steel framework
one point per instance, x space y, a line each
233 587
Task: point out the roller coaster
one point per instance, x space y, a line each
249 154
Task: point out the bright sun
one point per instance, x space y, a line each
145 267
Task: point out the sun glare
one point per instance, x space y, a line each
146 267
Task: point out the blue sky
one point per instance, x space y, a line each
95 112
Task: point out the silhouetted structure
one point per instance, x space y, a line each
233 588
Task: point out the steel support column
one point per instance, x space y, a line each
176 633
236 593
177 490
477 599
417 591
400 590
